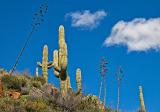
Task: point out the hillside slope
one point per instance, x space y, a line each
23 93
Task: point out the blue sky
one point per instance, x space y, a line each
126 32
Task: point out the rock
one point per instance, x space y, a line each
14 95
36 92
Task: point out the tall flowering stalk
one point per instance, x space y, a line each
119 76
37 20
103 71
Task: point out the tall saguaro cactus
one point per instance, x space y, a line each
141 100
61 56
45 65
60 62
79 81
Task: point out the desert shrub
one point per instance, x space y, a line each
41 79
88 104
14 82
25 90
36 84
36 106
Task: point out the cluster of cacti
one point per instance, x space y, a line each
45 65
142 109
59 64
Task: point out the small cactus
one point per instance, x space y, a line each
45 65
37 74
79 81
141 100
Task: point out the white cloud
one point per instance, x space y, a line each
86 19
138 35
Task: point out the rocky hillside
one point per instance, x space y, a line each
23 93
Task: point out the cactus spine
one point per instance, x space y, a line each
37 74
45 65
79 80
141 99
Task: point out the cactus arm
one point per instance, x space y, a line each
56 73
56 68
50 63
39 64
50 66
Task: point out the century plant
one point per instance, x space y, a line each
142 109
119 76
103 71
45 65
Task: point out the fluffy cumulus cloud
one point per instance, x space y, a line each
86 19
138 35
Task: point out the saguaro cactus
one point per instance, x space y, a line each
79 81
141 100
37 74
60 62
61 56
45 65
